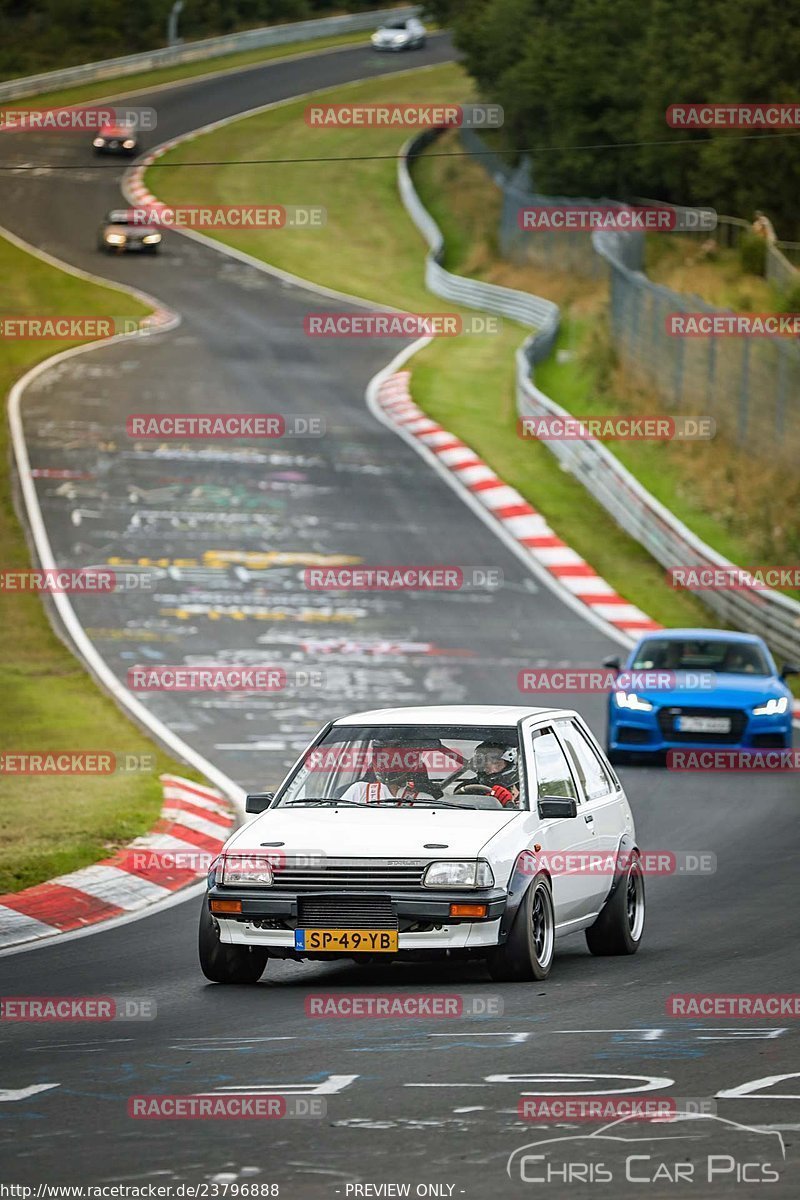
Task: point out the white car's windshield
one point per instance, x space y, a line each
407 766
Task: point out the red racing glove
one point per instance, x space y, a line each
502 794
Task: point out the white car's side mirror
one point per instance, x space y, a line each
553 808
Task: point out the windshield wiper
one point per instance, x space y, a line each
314 800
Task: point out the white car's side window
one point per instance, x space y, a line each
553 775
595 780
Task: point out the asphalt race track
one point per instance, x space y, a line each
422 1102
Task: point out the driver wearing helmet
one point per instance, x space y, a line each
495 766
398 772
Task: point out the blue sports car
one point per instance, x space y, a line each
702 688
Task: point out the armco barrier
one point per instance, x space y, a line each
533 311
168 56
771 614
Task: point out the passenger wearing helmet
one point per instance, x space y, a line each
398 773
495 766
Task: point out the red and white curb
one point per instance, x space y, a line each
195 823
527 526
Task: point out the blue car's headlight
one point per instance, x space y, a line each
772 708
633 702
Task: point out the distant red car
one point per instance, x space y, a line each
116 139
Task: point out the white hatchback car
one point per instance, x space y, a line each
414 833
408 34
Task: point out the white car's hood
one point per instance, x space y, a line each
373 833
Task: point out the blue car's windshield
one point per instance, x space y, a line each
691 654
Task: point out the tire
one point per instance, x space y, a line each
620 926
227 964
528 953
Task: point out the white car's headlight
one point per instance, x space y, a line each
116 239
98 141
476 874
245 870
128 144
399 39
772 708
151 237
632 702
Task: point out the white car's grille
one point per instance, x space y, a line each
364 874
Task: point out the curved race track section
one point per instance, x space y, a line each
423 1102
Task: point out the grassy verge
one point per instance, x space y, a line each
371 248
51 825
693 267
119 85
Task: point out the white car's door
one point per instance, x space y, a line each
605 808
550 774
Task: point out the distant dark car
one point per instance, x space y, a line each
399 35
121 231
116 139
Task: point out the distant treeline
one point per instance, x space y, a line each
42 35
576 73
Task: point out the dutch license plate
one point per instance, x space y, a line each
371 941
703 724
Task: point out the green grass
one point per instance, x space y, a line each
120 84
51 825
367 246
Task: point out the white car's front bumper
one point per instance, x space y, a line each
463 936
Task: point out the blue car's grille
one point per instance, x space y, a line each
668 719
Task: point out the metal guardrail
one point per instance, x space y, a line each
770 614
168 56
529 310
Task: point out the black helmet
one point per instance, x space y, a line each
495 752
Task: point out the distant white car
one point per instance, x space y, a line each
409 34
469 831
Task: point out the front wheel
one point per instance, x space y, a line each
227 964
619 928
528 953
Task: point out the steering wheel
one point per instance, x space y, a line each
469 787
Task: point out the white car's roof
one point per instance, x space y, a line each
447 714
